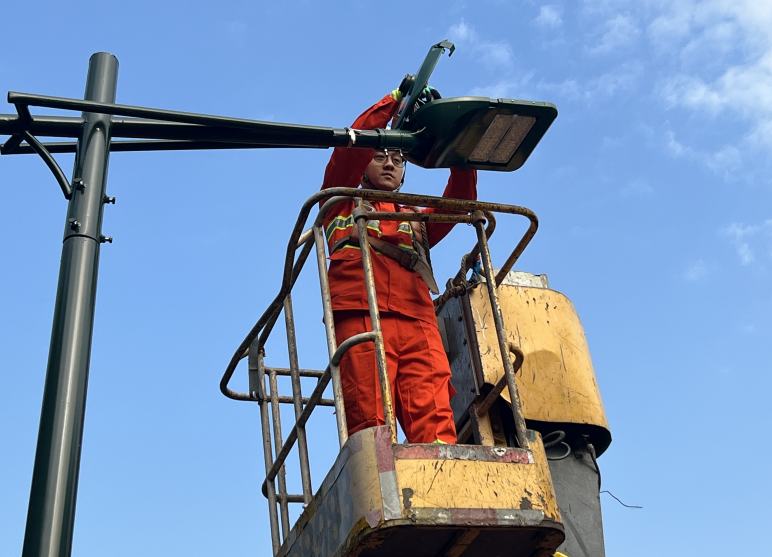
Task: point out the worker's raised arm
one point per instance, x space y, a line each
461 185
347 166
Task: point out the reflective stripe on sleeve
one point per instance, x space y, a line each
339 223
405 227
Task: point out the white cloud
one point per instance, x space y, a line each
515 88
494 55
622 78
621 31
669 28
462 33
696 271
726 60
743 89
726 162
742 236
549 17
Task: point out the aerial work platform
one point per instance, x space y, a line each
384 499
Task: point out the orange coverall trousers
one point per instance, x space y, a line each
419 376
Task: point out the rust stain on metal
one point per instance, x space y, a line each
373 517
461 452
407 493
473 516
383 452
417 451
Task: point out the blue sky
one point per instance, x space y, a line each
652 188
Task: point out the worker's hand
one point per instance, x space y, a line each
407 81
399 93
430 93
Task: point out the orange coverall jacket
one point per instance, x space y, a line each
419 374
399 290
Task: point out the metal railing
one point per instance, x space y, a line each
476 213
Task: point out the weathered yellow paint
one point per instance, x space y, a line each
361 473
474 484
557 381
354 509
335 520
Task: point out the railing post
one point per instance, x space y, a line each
51 514
498 319
297 399
329 327
256 362
278 441
372 302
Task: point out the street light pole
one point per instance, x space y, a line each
51 514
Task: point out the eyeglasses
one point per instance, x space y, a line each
396 159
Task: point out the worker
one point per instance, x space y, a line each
418 369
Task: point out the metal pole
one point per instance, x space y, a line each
297 399
332 343
256 356
278 442
375 319
51 514
498 320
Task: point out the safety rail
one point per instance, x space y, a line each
475 213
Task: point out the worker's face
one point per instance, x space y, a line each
385 170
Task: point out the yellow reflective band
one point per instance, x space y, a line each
406 247
439 442
338 228
340 218
338 223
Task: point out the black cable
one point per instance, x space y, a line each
591 450
620 502
549 442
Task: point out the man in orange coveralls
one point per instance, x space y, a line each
418 368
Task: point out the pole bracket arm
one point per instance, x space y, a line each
40 149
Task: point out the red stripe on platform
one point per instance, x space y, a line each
474 516
383 452
460 452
